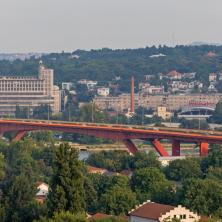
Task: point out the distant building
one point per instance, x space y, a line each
172 102
154 212
66 86
157 55
165 160
220 76
212 77
92 169
89 83
174 75
28 91
212 88
190 75
163 113
103 91
42 193
146 87
148 77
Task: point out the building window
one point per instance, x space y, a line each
184 216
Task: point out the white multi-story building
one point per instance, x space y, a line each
27 91
103 91
66 86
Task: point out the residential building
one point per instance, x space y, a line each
42 193
220 76
212 77
28 91
103 91
92 169
66 86
154 212
212 88
89 83
172 102
174 75
148 77
163 113
189 75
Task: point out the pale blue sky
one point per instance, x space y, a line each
56 25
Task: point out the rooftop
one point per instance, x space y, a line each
151 210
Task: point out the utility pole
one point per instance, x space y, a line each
92 113
142 116
48 111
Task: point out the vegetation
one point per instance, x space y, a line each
194 183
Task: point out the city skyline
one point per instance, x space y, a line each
54 26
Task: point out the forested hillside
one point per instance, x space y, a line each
103 65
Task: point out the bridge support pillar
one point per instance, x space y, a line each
176 148
204 148
19 135
130 146
159 147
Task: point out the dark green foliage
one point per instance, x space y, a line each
67 184
142 159
110 219
2 166
119 160
117 200
214 158
214 173
194 124
104 64
111 160
43 111
180 170
217 115
203 196
22 112
64 216
148 182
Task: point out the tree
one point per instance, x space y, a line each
203 196
67 184
117 200
64 216
19 195
179 170
43 111
214 173
214 158
21 112
142 159
148 182
194 124
217 115
2 166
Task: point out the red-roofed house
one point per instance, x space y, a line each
154 212
99 216
42 193
92 169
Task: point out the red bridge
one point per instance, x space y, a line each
118 133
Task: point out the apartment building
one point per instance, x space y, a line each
28 91
170 101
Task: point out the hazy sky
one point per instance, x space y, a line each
56 25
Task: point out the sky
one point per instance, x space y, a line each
67 25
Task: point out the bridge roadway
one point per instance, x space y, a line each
118 133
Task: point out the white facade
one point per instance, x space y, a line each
66 86
179 212
29 92
212 77
103 91
89 83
